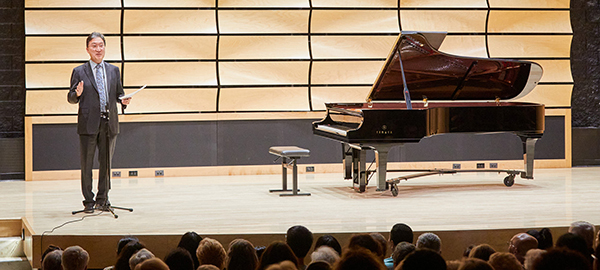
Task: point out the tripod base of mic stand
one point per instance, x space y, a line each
109 208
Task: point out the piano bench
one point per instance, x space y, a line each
293 153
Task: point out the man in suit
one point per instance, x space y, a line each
96 87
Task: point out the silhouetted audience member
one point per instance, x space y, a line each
190 242
586 230
467 251
207 267
520 244
325 254
399 233
382 243
319 265
483 251
366 241
152 264
120 245
285 265
574 242
359 259
300 240
128 250
561 259
544 238
423 259
276 252
75 258
210 251
241 255
401 251
596 262
259 251
454 264
140 256
52 260
329 240
532 256
179 259
430 241
505 261
475 264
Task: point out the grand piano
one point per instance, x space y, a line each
452 94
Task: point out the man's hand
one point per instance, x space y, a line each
125 101
79 89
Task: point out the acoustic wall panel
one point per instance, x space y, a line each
164 48
263 73
443 4
322 95
263 21
263 47
56 22
467 45
466 21
72 3
264 3
556 71
550 95
529 3
48 75
175 100
67 49
169 21
510 46
354 21
355 47
170 74
345 72
536 21
169 3
264 99
49 102
355 3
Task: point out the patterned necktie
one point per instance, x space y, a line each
101 90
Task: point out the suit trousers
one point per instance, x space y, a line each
88 145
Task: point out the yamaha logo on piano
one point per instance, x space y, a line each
383 131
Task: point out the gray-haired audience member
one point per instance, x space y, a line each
430 241
401 251
53 260
75 258
586 231
325 254
520 244
140 256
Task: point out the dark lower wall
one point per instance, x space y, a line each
230 143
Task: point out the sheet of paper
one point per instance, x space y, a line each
132 94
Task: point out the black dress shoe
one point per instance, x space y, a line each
89 209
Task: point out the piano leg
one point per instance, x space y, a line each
359 170
347 160
381 157
528 156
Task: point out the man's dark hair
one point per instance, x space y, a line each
50 248
366 241
190 241
330 241
561 258
423 259
573 242
300 239
94 35
276 252
128 250
179 259
359 259
543 236
123 241
401 233
241 255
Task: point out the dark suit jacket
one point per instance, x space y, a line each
88 116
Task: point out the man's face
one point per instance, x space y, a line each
95 49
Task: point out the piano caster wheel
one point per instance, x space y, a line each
509 180
394 190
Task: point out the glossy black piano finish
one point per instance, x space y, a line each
459 95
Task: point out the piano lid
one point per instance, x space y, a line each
436 75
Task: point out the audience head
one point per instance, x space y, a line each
401 251
359 259
475 264
53 260
319 265
49 249
179 259
561 259
190 242
366 241
585 230
300 240
128 250
285 265
207 267
276 252
123 241
520 244
210 251
152 264
467 251
483 251
532 256
325 254
382 242
543 236
241 255
430 241
140 256
423 259
401 233
329 240
75 258
505 261
573 242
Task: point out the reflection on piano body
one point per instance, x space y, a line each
456 95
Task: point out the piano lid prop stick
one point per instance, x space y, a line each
406 92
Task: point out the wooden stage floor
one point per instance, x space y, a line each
242 205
